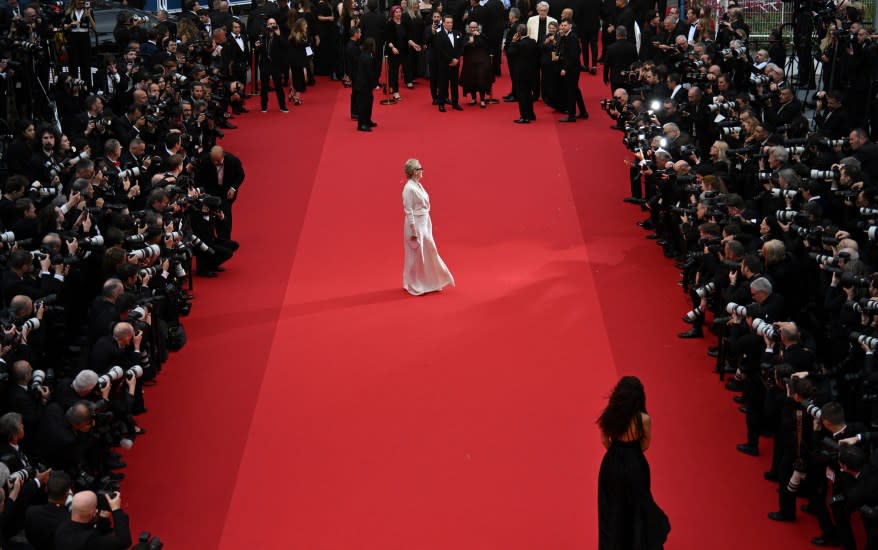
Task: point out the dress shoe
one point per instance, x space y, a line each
116 465
743 409
226 125
824 540
363 128
807 509
583 116
354 117
509 99
687 320
441 108
770 476
372 124
436 101
456 107
739 399
713 353
780 516
652 236
568 119
633 200
661 242
747 449
521 121
219 269
206 273
734 385
284 110
691 333
593 70
242 109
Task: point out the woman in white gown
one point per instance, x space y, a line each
424 270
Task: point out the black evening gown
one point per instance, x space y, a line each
628 517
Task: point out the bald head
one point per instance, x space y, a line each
123 332
84 507
216 154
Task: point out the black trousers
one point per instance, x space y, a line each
79 52
521 91
496 57
433 69
394 63
364 107
265 75
589 40
448 77
574 95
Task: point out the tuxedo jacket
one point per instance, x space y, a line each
533 25
233 175
445 50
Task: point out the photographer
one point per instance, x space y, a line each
78 24
88 528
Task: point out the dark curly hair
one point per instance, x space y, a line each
626 404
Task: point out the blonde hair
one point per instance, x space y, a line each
411 166
773 251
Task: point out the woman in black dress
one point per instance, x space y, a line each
628 517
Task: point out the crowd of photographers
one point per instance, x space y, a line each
769 207
114 195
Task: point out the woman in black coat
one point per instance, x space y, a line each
477 74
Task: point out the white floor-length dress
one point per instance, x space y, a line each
424 270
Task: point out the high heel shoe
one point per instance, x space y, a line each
397 97
297 101
482 104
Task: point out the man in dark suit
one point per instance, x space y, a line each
787 109
129 126
865 151
449 48
20 398
373 25
113 350
41 522
221 174
623 17
236 53
831 117
617 58
273 63
570 69
351 62
363 89
587 16
524 58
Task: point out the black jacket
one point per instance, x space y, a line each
524 59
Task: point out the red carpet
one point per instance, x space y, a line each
318 406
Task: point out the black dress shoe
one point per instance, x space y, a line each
739 399
661 242
355 117
633 200
568 119
522 121
508 98
583 116
687 320
226 125
219 269
734 385
713 353
747 449
593 70
691 333
807 509
780 516
652 236
372 124
441 108
456 107
436 101
206 273
770 476
743 409
823 540
363 128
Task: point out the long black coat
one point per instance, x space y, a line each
524 59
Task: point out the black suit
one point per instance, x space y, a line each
363 89
273 64
236 59
492 29
524 59
617 58
782 114
41 522
27 404
587 14
82 536
124 130
570 64
867 154
446 53
207 177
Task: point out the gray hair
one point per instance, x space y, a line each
779 153
761 285
543 4
622 31
9 424
516 12
790 176
411 166
86 380
79 412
